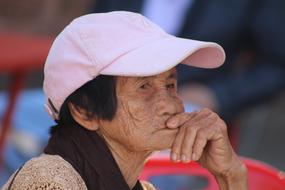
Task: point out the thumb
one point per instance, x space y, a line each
179 119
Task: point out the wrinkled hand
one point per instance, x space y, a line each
202 137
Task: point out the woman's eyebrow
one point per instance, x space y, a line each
139 79
173 75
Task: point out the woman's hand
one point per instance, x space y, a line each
203 137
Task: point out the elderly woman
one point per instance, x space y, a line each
110 83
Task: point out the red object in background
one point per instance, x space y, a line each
22 53
260 175
19 55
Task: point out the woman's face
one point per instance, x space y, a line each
144 105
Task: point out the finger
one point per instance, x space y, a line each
187 144
203 114
179 119
202 137
176 146
214 137
202 119
183 145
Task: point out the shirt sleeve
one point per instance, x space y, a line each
48 172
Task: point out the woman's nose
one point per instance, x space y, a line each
167 105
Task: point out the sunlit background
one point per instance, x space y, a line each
248 91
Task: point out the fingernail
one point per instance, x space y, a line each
184 158
174 156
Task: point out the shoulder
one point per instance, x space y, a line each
47 172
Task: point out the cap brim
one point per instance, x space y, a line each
164 54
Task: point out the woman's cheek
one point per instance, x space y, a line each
141 110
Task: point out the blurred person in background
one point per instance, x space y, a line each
252 33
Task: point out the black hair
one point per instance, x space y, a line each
97 97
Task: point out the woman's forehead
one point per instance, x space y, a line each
170 74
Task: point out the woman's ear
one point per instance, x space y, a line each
80 116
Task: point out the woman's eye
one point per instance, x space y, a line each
144 86
170 86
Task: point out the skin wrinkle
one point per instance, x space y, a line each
143 124
130 121
131 111
138 111
133 107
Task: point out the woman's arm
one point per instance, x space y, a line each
236 178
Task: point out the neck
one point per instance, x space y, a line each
130 163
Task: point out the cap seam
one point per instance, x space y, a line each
93 59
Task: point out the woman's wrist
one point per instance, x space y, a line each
234 178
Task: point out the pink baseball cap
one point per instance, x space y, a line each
117 43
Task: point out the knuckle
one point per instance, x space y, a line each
182 130
214 116
206 110
222 125
200 135
191 129
224 128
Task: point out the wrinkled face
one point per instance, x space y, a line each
144 105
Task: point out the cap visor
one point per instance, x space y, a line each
163 54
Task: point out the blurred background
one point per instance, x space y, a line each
248 91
